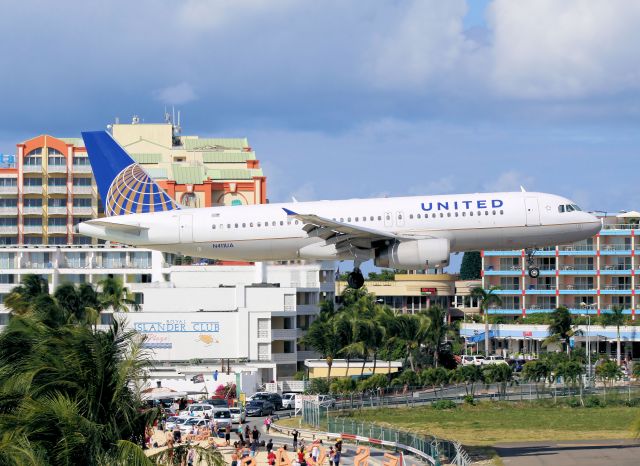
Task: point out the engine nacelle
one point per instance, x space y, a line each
416 254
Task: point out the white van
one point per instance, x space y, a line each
223 417
200 409
473 360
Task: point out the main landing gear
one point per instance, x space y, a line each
355 279
534 272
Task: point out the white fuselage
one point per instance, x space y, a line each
511 220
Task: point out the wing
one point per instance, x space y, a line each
339 233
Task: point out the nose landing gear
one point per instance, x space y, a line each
534 272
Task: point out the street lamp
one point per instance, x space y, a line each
583 306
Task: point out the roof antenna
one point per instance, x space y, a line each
522 189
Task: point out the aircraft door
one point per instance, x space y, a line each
533 211
186 228
388 219
400 218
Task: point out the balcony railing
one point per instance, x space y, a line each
615 247
8 210
284 334
32 189
56 229
8 190
578 247
33 228
511 268
82 210
617 287
577 267
82 168
580 286
32 210
9 229
509 287
31 168
616 267
82 190
57 210
546 267
57 168
284 357
76 264
620 226
57 189
541 287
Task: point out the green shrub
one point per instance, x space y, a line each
593 401
444 404
470 400
574 402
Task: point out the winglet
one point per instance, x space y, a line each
289 212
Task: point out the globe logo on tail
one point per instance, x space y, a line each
134 192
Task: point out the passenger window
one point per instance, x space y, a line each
236 225
259 224
561 209
486 212
448 214
441 215
434 215
411 216
228 225
341 219
348 219
357 218
244 225
251 224
464 214
479 213
297 222
502 212
281 223
379 217
456 214
213 227
371 218
470 214
494 212
418 216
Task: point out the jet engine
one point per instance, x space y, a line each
415 254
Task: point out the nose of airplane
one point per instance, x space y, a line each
593 224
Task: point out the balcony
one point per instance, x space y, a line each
82 210
32 169
8 190
57 189
27 189
57 229
619 226
284 334
302 355
57 169
307 309
9 210
76 264
33 229
284 357
515 252
57 210
9 230
616 269
82 189
512 270
82 169
32 210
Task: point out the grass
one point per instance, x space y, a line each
489 423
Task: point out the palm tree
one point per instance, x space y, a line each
487 298
561 328
437 329
115 296
615 318
409 330
20 299
323 338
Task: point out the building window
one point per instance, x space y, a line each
57 161
52 151
8 182
32 222
57 202
8 203
57 181
81 161
81 202
30 202
33 181
82 181
57 222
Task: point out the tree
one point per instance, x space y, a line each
436 330
409 330
561 328
501 374
385 275
536 371
21 298
115 296
487 298
608 372
323 338
471 266
616 318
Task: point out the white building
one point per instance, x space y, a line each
198 314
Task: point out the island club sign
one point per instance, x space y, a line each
459 205
177 326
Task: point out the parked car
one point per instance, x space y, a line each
495 360
473 360
288 400
196 422
223 417
260 408
200 409
175 420
326 401
238 415
274 398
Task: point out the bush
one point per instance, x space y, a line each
574 402
318 385
343 385
593 401
469 399
444 404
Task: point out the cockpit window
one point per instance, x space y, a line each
570 208
575 207
561 209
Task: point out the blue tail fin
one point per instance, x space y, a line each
125 188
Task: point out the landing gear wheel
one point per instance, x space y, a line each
355 279
534 272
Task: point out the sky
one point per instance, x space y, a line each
344 99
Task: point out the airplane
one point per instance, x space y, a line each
412 233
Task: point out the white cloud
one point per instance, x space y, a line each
181 93
509 181
565 49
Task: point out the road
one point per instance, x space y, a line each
571 453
